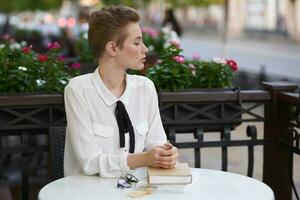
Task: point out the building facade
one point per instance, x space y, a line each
271 16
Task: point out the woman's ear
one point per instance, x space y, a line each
111 48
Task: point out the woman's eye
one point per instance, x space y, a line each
136 43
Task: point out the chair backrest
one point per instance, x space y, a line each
57 148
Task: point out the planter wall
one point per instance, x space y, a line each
212 116
209 109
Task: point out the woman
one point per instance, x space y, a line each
113 118
171 22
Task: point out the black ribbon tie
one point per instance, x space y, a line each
125 126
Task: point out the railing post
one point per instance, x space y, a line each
276 165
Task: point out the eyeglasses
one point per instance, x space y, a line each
126 180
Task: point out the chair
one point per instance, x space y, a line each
5 193
57 148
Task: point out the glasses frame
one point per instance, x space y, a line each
126 180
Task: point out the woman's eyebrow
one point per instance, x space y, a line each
138 38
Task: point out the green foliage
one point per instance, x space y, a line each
22 70
131 3
112 2
211 74
172 72
21 5
19 33
203 3
85 55
199 3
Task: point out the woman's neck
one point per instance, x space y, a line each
113 78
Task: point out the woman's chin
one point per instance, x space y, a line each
138 67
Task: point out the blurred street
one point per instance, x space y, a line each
281 57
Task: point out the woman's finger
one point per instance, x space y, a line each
165 152
168 158
167 164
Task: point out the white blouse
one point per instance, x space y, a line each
92 140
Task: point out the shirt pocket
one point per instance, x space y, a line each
104 137
141 132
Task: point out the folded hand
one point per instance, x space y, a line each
164 156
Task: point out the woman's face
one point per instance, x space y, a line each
133 53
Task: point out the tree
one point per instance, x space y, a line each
198 3
8 6
131 3
20 5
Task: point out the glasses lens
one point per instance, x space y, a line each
131 178
123 183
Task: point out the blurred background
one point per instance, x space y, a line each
262 36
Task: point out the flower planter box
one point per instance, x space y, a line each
205 108
202 107
31 111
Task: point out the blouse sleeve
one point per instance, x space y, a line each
156 135
84 144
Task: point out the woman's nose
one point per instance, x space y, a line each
145 49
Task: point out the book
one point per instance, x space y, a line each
179 175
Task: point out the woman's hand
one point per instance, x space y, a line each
164 156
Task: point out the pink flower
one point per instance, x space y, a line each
26 50
42 57
7 37
75 65
232 64
153 33
150 31
54 45
179 59
196 56
175 43
144 30
60 58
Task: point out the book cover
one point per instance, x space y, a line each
181 174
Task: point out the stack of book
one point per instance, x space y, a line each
178 177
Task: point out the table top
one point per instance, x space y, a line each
207 184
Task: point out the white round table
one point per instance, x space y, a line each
207 184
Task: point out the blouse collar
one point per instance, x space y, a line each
104 92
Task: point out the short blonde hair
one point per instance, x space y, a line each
108 24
